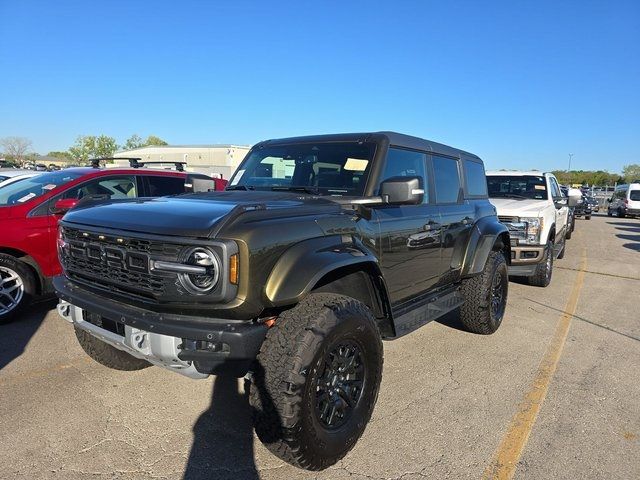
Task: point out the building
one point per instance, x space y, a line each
213 160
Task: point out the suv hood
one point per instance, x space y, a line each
193 215
510 207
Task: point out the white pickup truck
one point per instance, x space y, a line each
534 209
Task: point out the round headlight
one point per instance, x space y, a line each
197 283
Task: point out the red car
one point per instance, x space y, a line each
30 210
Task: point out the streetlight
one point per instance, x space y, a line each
570 157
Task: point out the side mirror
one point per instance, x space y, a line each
561 202
63 205
402 191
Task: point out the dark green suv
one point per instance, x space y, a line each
319 248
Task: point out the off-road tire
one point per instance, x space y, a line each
28 285
476 313
285 379
544 270
107 355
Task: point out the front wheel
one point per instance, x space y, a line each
316 380
485 296
17 287
544 270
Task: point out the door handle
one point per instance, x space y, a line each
431 226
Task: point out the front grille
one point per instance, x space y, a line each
517 229
115 263
505 219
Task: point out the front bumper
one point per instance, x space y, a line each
192 346
525 259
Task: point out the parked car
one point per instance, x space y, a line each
17 178
625 201
295 274
571 220
583 207
532 206
7 173
593 203
30 210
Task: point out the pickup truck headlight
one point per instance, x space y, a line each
533 230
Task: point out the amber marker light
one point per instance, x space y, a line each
233 269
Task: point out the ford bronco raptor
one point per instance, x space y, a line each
319 248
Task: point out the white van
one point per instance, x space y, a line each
625 201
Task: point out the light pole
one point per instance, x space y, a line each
570 157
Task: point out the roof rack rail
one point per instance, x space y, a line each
95 162
136 163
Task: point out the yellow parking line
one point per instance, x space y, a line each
505 460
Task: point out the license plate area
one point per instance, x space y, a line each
112 326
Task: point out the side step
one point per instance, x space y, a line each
408 318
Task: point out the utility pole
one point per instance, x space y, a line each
570 157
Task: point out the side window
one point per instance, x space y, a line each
555 190
159 186
406 163
475 179
111 187
446 179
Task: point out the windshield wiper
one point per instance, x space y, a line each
309 190
511 195
240 187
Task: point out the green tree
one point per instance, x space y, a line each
90 146
152 140
631 172
134 141
65 156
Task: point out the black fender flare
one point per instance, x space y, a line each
304 264
484 235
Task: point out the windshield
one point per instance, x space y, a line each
33 187
517 186
332 168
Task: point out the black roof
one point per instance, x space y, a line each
394 138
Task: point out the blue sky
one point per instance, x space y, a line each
520 83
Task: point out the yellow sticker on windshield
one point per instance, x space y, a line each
539 187
356 164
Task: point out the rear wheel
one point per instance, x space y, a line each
316 380
621 213
17 287
107 355
485 296
544 270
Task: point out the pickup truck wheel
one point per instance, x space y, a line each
17 287
485 296
316 380
107 355
544 270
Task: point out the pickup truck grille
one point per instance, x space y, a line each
517 229
115 263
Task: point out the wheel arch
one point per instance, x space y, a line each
335 264
30 262
488 234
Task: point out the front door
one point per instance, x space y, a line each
409 235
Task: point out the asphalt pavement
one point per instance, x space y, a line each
555 393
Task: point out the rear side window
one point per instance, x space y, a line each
406 163
634 195
475 179
161 186
446 179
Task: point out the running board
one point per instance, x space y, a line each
408 318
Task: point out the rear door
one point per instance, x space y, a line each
456 214
409 242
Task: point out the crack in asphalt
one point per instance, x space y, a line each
592 272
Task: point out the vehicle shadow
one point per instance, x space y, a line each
223 435
625 224
452 320
635 241
15 336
